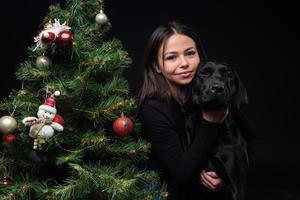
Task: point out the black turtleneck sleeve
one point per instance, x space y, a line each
162 125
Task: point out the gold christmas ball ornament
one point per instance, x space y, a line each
48 25
43 61
101 18
7 124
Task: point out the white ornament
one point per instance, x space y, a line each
7 124
101 18
57 93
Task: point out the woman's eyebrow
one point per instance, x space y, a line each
171 52
174 52
190 48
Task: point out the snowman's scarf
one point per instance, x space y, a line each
37 126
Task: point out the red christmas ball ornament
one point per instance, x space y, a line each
59 119
48 36
65 38
5 181
123 126
9 137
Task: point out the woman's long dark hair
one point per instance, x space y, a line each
154 84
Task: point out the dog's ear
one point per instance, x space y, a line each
188 94
186 91
240 97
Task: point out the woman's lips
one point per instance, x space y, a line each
185 74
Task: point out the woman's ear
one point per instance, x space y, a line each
156 68
240 98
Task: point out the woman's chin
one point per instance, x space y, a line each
186 81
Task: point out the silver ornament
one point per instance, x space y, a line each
43 61
22 92
101 18
7 124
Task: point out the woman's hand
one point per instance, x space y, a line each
215 116
211 180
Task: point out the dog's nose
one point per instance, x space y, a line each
217 89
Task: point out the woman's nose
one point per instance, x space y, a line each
183 62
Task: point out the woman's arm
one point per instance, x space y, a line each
181 166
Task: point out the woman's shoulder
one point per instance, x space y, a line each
154 107
159 110
155 114
153 104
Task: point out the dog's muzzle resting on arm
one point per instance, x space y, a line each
215 86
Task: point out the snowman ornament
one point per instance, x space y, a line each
43 127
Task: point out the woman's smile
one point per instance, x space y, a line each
184 75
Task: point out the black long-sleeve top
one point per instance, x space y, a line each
163 125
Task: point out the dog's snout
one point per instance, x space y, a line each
217 88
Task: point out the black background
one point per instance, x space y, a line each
258 38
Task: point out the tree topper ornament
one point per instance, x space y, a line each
49 34
42 128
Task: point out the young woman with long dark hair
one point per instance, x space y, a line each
172 57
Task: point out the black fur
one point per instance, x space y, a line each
217 85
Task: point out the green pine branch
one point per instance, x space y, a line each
89 75
23 187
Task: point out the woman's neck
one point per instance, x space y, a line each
174 89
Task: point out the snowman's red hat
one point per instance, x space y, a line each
49 104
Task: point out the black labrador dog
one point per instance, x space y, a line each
215 86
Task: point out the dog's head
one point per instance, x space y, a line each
216 85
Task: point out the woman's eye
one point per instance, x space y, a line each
170 57
191 53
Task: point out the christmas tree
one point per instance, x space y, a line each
70 132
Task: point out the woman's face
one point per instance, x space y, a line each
178 60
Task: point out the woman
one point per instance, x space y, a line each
171 60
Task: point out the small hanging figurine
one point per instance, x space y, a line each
43 127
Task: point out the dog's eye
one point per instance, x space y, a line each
205 72
226 72
229 73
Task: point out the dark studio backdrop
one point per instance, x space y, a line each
258 38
